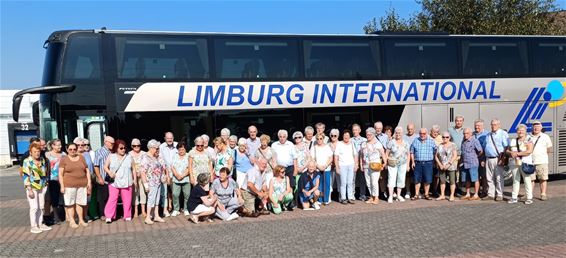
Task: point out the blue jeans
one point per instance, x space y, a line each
347 182
325 186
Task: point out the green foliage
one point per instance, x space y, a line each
505 17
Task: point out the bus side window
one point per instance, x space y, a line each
140 68
181 70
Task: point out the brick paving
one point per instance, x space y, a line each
421 228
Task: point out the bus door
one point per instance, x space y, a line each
84 124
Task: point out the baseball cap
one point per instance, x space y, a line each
534 122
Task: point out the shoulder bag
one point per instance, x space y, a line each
502 158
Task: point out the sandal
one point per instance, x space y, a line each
427 197
194 219
414 198
441 198
451 200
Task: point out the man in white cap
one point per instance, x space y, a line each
542 146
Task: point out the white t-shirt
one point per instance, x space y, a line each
345 153
540 152
284 152
321 154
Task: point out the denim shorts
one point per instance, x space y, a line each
469 175
423 172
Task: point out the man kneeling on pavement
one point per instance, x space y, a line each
254 191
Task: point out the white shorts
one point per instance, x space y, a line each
202 208
74 196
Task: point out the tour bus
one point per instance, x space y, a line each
142 83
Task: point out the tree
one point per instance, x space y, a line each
510 17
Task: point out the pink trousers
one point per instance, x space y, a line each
125 194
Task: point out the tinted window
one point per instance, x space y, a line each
161 58
82 59
549 57
256 58
344 59
421 58
494 57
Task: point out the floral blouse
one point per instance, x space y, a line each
180 165
54 164
153 168
400 152
34 176
303 155
200 162
137 160
445 153
221 161
370 153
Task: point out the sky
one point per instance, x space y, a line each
25 25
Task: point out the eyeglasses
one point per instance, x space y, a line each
122 148
320 139
298 138
445 137
333 135
136 146
73 149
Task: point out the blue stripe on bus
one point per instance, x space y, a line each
542 111
532 105
537 110
522 111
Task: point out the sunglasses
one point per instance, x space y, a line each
320 139
199 145
80 145
298 138
445 137
122 148
333 135
73 149
136 146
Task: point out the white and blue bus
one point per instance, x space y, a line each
140 83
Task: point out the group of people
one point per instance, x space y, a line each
253 176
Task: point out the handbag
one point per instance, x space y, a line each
392 162
528 169
108 178
502 158
376 166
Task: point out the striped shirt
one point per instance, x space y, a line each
423 149
99 158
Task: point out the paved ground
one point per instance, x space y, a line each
421 228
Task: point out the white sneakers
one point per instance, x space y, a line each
35 230
390 199
41 228
408 195
316 206
401 199
233 216
187 213
166 213
174 214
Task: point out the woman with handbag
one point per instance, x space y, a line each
118 167
371 162
152 172
521 163
139 193
398 156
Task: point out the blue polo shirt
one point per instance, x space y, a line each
470 150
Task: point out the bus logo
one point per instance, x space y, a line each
533 110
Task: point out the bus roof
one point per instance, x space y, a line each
63 34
